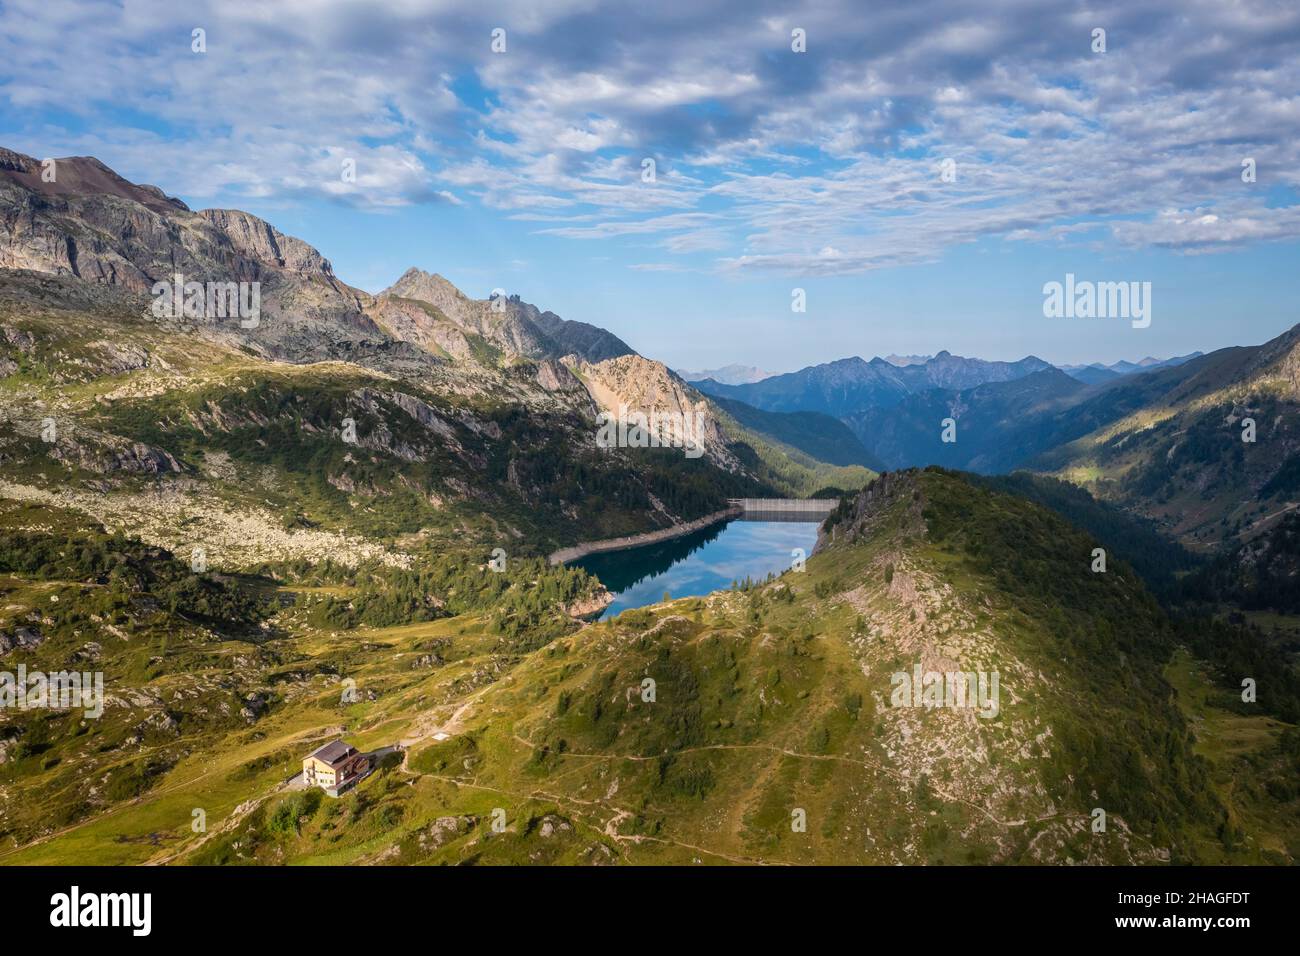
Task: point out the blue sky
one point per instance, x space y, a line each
820 170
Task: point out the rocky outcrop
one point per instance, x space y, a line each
117 358
634 385
257 239
515 327
858 518
104 454
591 606
500 323
423 325
556 377
20 638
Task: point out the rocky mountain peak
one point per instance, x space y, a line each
82 176
633 384
257 239
432 288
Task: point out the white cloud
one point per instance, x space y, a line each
823 162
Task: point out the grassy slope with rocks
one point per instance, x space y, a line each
1173 452
767 700
340 564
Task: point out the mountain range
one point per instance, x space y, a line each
428 374
727 375
1097 372
340 516
849 385
1118 434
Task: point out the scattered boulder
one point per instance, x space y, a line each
23 637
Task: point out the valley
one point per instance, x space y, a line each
335 523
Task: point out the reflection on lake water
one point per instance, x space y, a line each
700 562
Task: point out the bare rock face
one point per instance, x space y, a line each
91 224
631 384
515 327
117 357
24 638
422 412
106 454
423 325
590 607
556 377
257 239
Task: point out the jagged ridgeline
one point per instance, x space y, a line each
333 422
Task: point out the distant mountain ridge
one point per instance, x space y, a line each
995 417
901 360
1096 372
852 385
727 375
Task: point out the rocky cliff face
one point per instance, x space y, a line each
515 327
78 218
91 224
256 239
105 240
632 384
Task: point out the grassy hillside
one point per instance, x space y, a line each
818 436
1160 561
784 468
533 739
1170 445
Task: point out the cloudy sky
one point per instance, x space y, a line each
525 169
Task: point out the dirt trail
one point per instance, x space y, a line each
803 756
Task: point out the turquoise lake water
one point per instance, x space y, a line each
698 563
